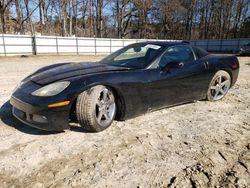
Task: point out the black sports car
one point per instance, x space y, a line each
245 50
136 79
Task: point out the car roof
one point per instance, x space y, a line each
166 43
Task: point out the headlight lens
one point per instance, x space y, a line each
51 89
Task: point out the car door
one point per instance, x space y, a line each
179 84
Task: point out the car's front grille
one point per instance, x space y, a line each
19 113
31 118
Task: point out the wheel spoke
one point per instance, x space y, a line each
105 95
220 79
99 117
225 83
222 91
216 93
99 103
213 87
110 103
106 115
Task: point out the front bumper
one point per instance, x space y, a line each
49 119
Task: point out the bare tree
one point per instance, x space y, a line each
4 5
64 15
240 11
172 19
124 11
19 18
28 14
91 17
99 6
75 5
70 17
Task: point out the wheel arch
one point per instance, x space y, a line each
120 102
215 96
229 71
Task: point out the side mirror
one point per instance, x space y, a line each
171 65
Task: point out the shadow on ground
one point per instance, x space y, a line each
9 120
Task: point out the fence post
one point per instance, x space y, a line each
56 46
238 47
123 42
207 44
110 49
34 50
95 45
220 45
4 48
77 52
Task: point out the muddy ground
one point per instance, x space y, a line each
201 144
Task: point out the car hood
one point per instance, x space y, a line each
69 70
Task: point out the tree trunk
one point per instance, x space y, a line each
64 12
91 28
29 17
41 12
118 18
70 17
4 5
99 18
45 15
19 18
75 16
3 22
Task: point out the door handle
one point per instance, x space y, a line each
206 64
181 64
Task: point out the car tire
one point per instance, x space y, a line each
219 86
96 108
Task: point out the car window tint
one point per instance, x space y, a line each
137 55
199 52
177 54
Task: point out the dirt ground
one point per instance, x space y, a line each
201 144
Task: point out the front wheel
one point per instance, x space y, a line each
96 108
219 86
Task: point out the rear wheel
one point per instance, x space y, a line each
96 108
219 86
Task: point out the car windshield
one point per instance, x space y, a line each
134 56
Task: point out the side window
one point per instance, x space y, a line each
177 54
199 52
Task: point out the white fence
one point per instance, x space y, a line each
25 44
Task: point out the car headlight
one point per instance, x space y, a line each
51 89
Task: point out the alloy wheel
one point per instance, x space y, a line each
220 87
105 107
